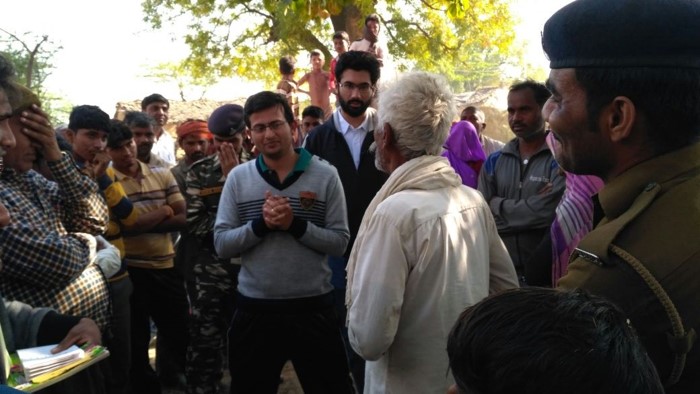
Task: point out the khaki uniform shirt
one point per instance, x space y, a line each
651 211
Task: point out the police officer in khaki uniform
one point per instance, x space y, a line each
625 106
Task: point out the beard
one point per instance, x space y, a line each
377 157
143 151
353 111
196 156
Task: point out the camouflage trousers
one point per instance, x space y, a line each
212 310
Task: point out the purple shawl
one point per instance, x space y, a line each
462 147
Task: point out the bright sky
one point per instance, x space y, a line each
532 15
107 47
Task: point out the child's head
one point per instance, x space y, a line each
372 25
317 59
287 64
341 41
310 118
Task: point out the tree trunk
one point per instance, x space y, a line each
349 20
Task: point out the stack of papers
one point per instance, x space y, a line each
39 360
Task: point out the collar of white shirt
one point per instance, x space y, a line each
345 126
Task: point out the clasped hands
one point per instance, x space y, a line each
277 212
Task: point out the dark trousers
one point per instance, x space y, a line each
265 334
118 339
159 294
356 363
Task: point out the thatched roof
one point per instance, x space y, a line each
484 97
179 111
493 102
490 100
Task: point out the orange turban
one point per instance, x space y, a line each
192 126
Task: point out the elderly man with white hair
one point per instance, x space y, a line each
427 246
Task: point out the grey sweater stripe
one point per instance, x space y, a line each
278 265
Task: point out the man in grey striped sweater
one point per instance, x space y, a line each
283 213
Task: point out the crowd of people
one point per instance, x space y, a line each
384 246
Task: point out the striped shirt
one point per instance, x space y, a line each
121 213
574 219
153 188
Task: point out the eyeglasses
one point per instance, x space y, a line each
364 88
274 126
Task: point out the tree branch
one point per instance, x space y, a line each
427 35
32 61
31 53
16 39
425 3
254 11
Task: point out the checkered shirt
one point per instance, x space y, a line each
47 249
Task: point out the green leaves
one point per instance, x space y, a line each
31 56
247 37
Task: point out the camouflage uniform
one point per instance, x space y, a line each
215 280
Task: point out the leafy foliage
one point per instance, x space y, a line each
466 40
31 56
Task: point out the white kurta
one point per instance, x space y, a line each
164 148
428 255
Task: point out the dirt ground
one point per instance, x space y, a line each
290 385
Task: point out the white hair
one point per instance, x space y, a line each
419 107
